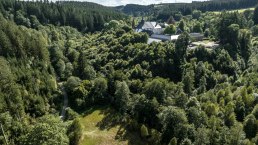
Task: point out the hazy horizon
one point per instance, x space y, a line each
124 2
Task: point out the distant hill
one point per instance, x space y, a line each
85 16
134 9
164 11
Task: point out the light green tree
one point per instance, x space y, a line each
48 130
171 29
122 96
144 131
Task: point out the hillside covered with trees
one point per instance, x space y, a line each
85 16
177 10
164 91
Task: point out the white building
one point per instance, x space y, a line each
149 27
165 37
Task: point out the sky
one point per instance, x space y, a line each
141 2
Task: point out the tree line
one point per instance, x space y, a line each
164 11
85 16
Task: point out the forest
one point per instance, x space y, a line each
164 11
163 92
86 16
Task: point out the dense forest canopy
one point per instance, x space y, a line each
85 16
164 91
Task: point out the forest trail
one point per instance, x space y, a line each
65 101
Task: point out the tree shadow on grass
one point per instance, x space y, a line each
124 133
111 119
90 110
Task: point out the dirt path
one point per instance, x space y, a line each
65 99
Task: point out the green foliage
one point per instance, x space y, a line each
70 114
188 81
156 89
72 83
180 52
172 120
144 110
100 90
22 43
231 120
255 16
171 29
202 136
164 11
112 25
245 44
255 111
144 131
186 142
49 130
196 14
224 28
182 26
233 35
21 20
181 100
75 131
122 96
250 126
184 96
196 116
88 72
181 45
173 141
255 30
171 20
237 134
224 63
197 28
81 15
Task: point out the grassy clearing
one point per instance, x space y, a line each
101 127
239 10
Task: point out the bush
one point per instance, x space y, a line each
255 30
171 29
70 114
173 141
75 132
144 131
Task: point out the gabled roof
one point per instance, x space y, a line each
164 25
148 25
165 37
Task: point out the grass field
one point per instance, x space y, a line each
239 10
101 127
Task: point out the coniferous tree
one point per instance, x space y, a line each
188 82
171 20
250 126
255 16
122 96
